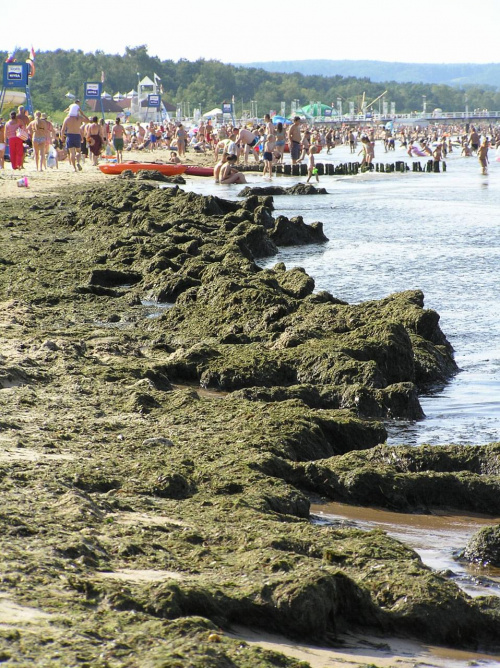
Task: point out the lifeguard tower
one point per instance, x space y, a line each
15 76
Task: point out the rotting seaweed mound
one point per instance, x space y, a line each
157 457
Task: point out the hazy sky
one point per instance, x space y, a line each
422 31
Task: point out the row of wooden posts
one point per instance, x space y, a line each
349 168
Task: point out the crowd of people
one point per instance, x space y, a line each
81 137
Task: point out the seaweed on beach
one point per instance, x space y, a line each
170 409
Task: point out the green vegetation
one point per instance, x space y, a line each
206 83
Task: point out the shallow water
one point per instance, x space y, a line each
439 233
437 538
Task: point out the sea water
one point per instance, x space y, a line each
439 233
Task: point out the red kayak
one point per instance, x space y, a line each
167 169
195 170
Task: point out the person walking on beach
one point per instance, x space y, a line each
118 135
482 155
16 146
39 131
71 131
2 143
180 135
94 139
294 140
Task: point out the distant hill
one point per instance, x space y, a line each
462 74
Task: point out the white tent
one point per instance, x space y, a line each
212 113
118 96
146 82
105 95
131 93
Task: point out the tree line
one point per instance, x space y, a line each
207 83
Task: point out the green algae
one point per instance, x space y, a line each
142 516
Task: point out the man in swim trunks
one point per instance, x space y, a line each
248 140
474 140
294 137
71 130
118 135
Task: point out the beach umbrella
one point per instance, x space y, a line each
281 119
213 112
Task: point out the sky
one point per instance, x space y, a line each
414 31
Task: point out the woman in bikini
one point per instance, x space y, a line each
280 135
38 131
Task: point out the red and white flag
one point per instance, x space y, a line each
32 54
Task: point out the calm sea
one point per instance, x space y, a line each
439 233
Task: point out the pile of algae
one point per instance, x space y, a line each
156 460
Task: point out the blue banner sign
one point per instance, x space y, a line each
15 75
154 101
92 91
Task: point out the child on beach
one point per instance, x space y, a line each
268 156
312 170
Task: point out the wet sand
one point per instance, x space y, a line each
359 651
437 538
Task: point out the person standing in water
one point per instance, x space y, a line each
482 155
312 169
268 157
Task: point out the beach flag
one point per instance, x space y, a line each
102 76
32 54
156 78
10 58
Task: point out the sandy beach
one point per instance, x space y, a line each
50 181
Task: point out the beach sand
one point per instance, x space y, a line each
51 181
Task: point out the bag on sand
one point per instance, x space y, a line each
52 157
